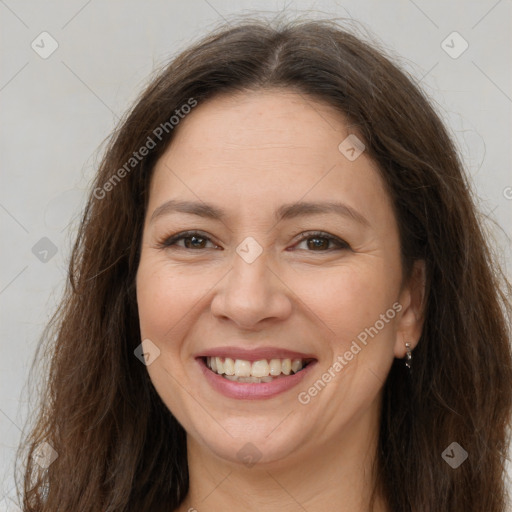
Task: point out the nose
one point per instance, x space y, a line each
252 293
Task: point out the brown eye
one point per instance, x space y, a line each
318 243
191 240
322 242
194 242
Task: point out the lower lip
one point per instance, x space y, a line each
253 391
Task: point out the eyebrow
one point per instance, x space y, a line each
284 212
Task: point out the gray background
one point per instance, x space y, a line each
57 111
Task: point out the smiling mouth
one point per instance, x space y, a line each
255 372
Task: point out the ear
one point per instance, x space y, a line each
412 300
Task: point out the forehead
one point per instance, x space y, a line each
261 120
274 146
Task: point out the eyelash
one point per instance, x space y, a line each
169 242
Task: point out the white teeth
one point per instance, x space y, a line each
296 365
254 380
229 366
242 368
275 367
262 370
250 380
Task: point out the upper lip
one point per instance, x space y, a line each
254 354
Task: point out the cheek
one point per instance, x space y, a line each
164 297
348 299
351 302
169 298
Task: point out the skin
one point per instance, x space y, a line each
249 153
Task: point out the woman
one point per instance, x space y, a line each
280 298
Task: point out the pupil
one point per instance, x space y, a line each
195 241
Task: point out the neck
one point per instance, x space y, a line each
336 475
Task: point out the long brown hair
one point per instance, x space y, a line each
120 449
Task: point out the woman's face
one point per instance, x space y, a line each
271 277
